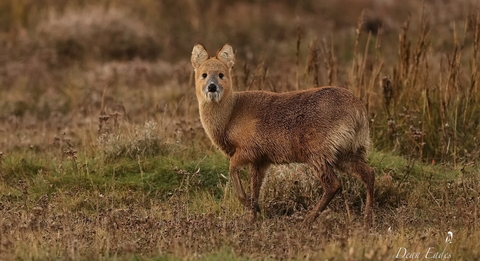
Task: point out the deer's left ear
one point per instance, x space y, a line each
199 55
226 55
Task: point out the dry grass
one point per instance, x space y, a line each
114 222
102 155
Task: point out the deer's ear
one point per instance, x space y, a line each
226 55
199 55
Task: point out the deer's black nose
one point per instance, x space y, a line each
212 87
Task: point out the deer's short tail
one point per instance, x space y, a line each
351 138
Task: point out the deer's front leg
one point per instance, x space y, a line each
235 165
257 174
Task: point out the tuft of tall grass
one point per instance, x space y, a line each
426 105
288 190
133 142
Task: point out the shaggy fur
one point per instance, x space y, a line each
326 128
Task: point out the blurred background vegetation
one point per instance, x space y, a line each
414 63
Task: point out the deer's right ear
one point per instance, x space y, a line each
199 55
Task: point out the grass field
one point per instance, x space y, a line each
103 157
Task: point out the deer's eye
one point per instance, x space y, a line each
221 76
204 75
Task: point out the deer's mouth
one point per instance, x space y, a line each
213 92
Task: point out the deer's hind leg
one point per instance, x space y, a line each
330 184
357 167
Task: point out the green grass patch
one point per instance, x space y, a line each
401 168
161 176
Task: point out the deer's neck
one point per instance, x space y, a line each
215 117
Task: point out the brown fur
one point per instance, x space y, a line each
326 128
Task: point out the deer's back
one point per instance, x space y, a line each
294 126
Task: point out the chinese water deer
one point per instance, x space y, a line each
326 128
